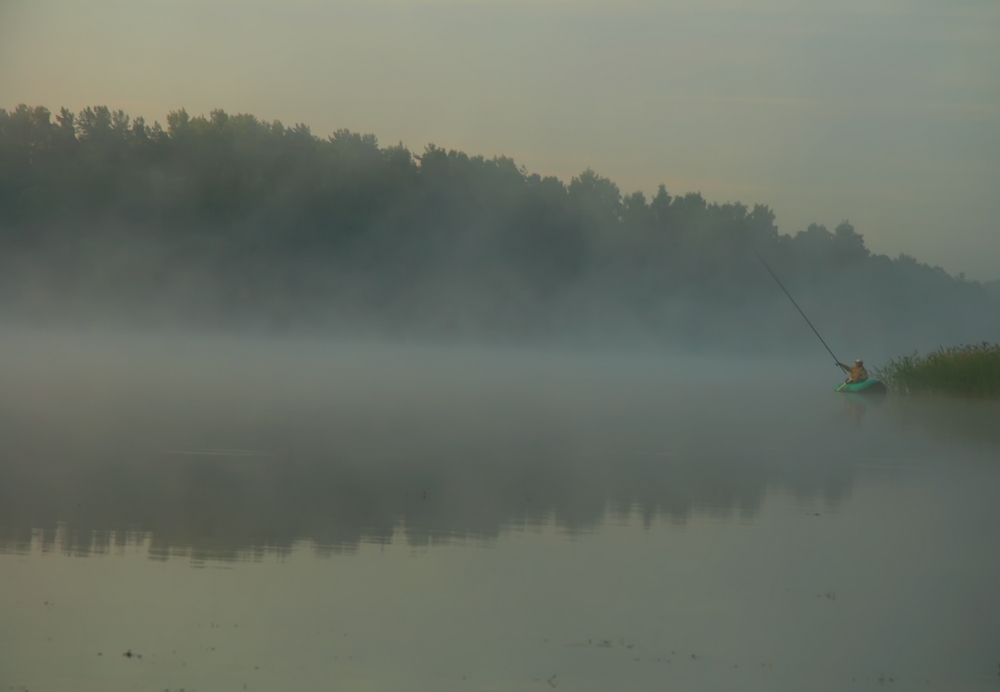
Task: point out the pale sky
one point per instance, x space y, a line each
882 112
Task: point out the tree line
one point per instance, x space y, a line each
278 218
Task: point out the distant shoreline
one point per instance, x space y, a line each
234 220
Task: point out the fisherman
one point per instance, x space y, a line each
858 373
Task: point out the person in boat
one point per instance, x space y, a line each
857 372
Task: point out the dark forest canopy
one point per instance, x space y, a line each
231 217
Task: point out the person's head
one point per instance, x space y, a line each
858 362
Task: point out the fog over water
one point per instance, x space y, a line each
212 512
340 443
446 345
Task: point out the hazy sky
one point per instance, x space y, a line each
883 112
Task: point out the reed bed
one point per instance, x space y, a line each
972 371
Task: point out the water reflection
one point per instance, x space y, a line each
228 454
952 419
229 508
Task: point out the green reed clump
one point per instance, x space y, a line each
959 370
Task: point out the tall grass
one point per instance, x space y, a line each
960 370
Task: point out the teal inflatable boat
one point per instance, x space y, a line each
869 386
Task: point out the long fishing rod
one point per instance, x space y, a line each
775 277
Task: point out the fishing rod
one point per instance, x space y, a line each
775 277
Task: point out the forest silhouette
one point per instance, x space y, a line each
234 221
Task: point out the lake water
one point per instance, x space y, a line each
224 514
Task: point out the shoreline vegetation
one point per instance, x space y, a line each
967 370
232 222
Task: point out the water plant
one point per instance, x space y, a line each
967 370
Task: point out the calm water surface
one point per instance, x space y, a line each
213 514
